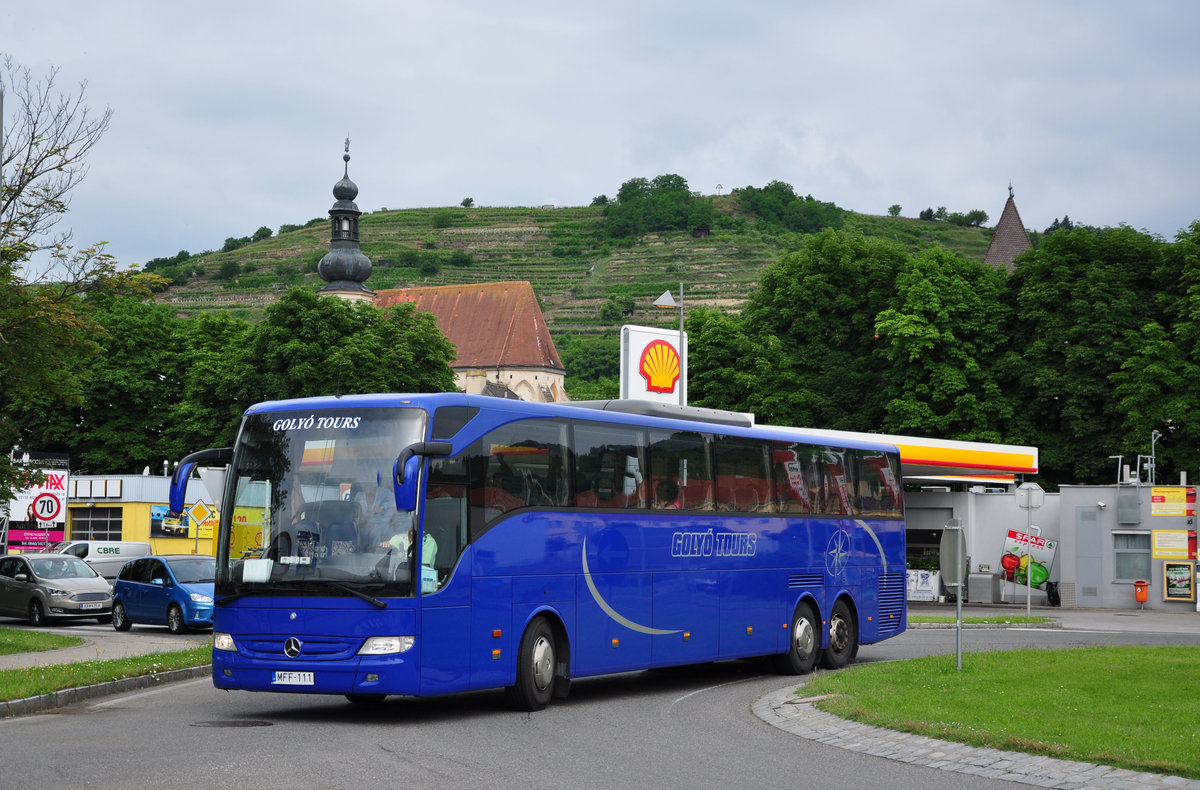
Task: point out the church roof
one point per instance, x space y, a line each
492 324
1009 239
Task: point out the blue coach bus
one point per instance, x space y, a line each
428 544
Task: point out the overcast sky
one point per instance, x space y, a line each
231 115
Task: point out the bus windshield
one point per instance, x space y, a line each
313 506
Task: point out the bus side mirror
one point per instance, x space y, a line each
405 478
406 470
183 470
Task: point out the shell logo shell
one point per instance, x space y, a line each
659 365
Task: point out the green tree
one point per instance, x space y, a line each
604 388
1080 300
615 308
724 363
941 335
128 390
262 233
46 337
813 316
313 345
228 270
589 357
468 202
776 204
894 210
216 385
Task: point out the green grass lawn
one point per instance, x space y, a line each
1130 707
29 682
14 641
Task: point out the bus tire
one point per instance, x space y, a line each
804 643
535 668
843 637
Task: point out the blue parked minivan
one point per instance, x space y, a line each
175 590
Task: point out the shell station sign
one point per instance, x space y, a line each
653 364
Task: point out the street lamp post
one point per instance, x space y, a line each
665 302
1154 437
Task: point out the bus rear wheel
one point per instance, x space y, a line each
804 643
843 638
535 668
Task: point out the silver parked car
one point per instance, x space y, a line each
42 586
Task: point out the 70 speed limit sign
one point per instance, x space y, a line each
46 507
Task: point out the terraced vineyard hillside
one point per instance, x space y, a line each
572 267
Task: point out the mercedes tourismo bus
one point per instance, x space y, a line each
427 544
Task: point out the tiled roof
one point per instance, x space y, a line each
492 324
1009 239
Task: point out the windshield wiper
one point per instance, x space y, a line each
378 604
307 588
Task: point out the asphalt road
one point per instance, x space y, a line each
690 727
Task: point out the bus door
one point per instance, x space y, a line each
444 604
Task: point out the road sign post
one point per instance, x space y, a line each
1030 497
952 555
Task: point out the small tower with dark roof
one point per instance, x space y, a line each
1010 238
344 268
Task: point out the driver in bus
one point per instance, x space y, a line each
404 543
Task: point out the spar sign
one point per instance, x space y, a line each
653 364
37 515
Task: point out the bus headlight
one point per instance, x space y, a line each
223 641
386 645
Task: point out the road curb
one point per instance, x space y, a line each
66 698
1051 624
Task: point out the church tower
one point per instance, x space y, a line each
344 268
1009 239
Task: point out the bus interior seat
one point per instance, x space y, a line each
340 537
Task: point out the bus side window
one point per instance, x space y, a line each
743 477
683 456
608 466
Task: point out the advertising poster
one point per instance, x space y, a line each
1170 544
1030 554
923 585
37 516
1172 501
1179 581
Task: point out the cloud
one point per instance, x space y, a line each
229 116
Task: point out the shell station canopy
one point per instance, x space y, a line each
944 459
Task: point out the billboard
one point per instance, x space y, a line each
37 516
653 364
1027 554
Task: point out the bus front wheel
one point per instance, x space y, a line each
843 637
804 643
535 668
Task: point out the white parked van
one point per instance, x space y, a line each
105 556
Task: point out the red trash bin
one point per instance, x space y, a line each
1139 590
